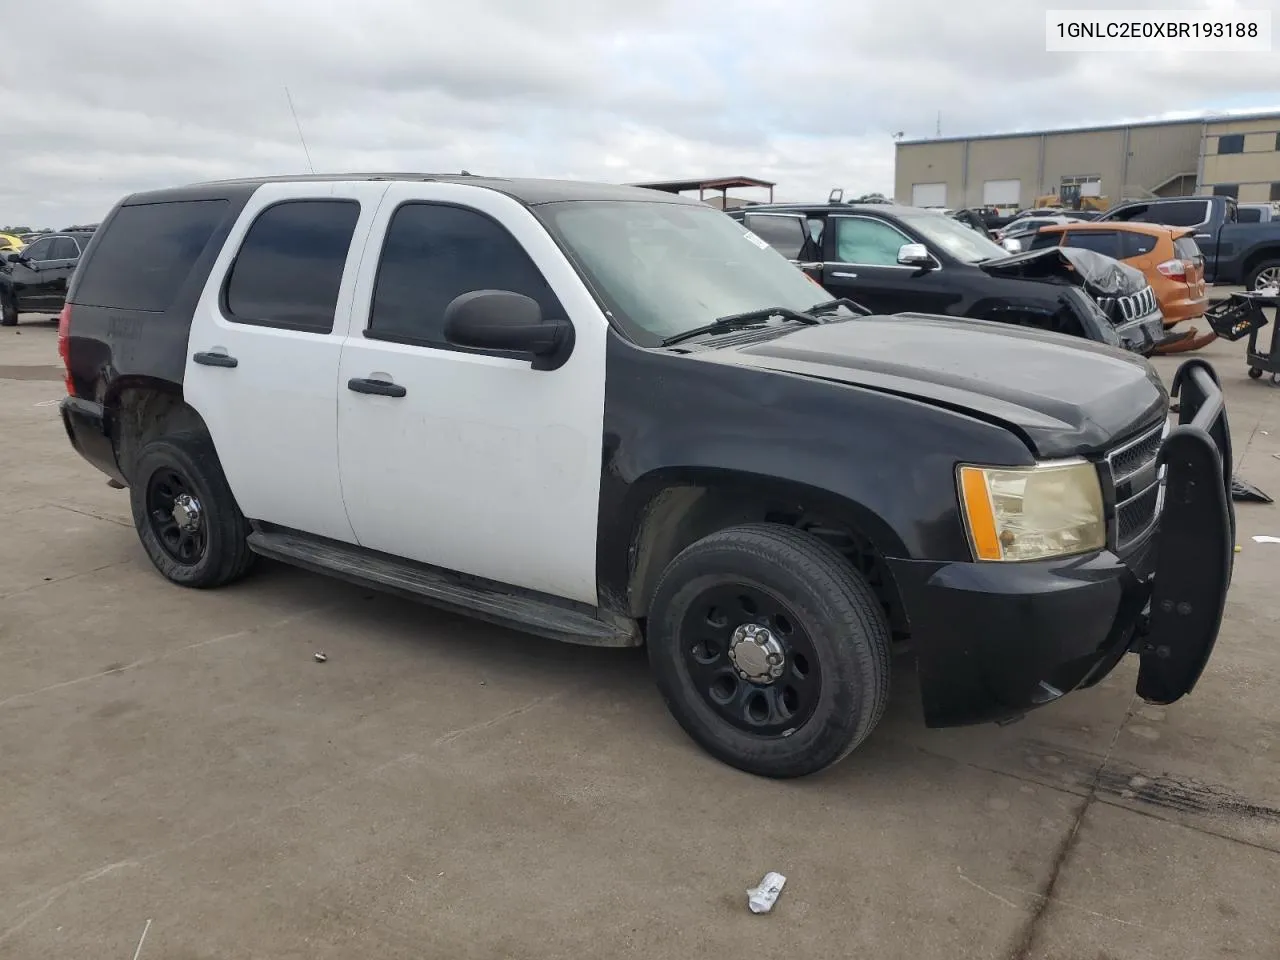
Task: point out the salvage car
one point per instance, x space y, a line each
613 416
896 259
34 279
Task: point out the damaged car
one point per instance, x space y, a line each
903 259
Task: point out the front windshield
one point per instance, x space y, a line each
964 244
664 268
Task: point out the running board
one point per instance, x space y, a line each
507 606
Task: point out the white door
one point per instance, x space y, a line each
262 355
1001 193
484 465
928 194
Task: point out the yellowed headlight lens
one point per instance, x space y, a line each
1030 513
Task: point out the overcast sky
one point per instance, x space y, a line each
102 97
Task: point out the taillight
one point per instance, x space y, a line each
1174 269
64 347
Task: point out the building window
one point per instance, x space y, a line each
1275 192
1231 143
1231 190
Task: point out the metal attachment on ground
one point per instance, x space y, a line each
762 898
320 657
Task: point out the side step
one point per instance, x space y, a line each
496 603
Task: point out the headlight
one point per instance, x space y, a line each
1029 513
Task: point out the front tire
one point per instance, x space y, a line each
8 310
186 515
770 649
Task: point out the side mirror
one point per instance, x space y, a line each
507 321
13 257
914 255
1012 245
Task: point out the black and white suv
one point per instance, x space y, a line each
613 416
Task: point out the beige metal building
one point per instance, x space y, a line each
1235 156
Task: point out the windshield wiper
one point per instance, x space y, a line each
737 321
828 306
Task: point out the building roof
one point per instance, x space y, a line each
528 191
1202 119
711 183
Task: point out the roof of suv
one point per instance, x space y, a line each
528 191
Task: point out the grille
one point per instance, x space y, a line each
1137 482
1131 307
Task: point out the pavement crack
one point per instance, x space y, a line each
1045 896
70 576
50 897
494 721
91 514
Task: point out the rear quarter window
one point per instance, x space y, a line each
1099 241
1138 244
145 253
1187 248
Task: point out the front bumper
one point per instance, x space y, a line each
88 430
993 641
1142 335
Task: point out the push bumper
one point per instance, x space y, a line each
88 429
995 640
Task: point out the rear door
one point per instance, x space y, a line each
263 352
861 263
32 277
789 234
64 256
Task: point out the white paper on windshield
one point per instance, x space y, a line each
756 240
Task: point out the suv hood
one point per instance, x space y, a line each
1100 275
1064 396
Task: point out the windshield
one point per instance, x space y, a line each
664 268
964 244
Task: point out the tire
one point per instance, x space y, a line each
216 550
8 310
1270 269
1255 373
822 621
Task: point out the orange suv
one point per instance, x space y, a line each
1168 256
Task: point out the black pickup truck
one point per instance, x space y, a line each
1234 252
898 259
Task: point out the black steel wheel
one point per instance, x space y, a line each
1255 373
770 649
8 310
185 513
751 659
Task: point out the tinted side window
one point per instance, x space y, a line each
1137 244
64 248
1249 215
784 234
868 242
290 265
1045 239
146 253
42 249
434 253
1179 213
1106 242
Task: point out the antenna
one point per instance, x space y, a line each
938 130
307 152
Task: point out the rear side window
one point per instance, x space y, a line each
1099 241
1177 213
1248 215
146 253
1137 244
1045 239
1187 248
784 234
435 252
290 265
64 248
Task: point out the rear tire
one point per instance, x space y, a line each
186 515
1266 273
8 310
1255 373
770 649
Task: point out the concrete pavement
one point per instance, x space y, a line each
443 788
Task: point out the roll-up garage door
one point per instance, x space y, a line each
1001 193
928 194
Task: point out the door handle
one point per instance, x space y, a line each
381 388
844 274
207 359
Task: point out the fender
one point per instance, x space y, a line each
883 462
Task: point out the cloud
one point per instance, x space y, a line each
115 97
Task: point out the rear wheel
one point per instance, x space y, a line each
1255 373
186 515
8 310
770 649
1263 276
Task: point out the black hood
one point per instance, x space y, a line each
1098 274
1065 396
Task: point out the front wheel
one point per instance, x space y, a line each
1255 373
8 310
185 513
770 649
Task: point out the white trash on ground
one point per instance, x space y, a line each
762 898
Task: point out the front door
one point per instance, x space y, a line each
861 263
470 460
35 276
262 361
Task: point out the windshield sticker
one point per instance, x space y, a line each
756 240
